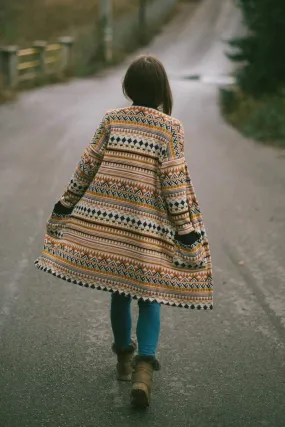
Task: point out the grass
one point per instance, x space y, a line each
31 20
80 20
261 119
6 96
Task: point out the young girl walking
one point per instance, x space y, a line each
129 223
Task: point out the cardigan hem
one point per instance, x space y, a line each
70 279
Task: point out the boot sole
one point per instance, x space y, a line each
139 396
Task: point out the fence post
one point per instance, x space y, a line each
1 71
9 61
66 57
106 30
142 22
40 45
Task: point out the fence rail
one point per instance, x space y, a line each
53 47
25 52
111 40
18 65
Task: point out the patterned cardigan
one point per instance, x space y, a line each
129 220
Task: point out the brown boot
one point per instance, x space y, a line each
124 361
144 366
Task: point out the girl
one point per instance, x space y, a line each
129 223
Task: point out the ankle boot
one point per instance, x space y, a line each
124 361
144 366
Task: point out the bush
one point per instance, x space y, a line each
228 100
261 119
261 50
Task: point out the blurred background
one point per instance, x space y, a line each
61 68
23 22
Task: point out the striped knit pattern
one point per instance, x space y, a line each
131 192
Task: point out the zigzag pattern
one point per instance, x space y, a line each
129 196
121 191
112 288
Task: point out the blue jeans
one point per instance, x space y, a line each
148 326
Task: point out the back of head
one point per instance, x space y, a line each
146 84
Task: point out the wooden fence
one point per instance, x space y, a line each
35 63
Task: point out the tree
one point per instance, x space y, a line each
262 50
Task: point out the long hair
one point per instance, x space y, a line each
146 84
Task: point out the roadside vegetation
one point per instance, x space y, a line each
256 104
23 22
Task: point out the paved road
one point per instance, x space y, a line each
223 368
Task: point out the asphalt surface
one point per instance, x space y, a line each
221 368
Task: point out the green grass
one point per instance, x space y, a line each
261 119
6 96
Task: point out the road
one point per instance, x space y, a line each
222 368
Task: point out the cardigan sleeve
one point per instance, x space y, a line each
86 169
173 183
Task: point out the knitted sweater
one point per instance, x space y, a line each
129 220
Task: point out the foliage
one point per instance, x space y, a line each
23 21
259 118
261 51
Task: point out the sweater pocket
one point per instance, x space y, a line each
56 224
189 257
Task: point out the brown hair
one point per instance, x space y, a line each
146 84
